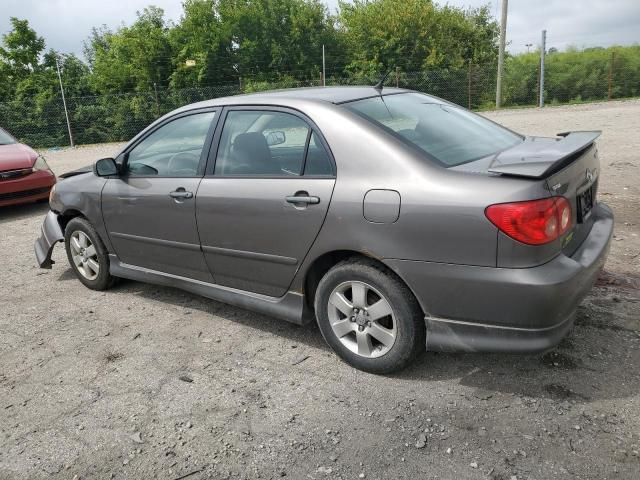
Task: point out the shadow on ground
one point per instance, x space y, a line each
597 360
22 212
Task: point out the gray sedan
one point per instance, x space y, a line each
396 220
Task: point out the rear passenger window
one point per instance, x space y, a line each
262 143
318 162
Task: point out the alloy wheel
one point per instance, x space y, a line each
84 255
362 319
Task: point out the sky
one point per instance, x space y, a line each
65 24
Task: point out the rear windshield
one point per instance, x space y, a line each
449 134
5 138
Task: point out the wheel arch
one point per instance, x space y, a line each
323 263
69 214
72 212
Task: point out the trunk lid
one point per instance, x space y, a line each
578 183
568 166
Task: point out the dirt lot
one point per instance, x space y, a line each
145 382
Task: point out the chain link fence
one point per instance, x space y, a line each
111 118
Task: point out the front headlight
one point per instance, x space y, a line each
40 164
53 189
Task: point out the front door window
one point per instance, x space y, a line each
173 150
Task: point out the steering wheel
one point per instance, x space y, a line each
183 164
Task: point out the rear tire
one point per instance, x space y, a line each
369 317
87 255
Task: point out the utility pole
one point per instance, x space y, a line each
324 70
469 86
64 101
613 58
155 89
503 34
543 47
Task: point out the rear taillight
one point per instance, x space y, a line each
533 222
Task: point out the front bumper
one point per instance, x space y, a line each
29 188
521 310
50 234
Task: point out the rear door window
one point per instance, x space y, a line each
270 143
257 143
318 161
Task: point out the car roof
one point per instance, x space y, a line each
328 94
334 95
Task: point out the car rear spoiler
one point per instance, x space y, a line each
533 159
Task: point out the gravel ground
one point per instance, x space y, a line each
145 381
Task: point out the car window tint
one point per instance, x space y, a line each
172 150
261 143
5 138
318 162
449 134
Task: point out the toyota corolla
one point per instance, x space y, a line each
396 220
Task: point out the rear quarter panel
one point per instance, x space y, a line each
442 211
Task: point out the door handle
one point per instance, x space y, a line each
181 193
307 199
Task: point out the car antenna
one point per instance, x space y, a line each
380 85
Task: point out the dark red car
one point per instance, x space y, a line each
24 175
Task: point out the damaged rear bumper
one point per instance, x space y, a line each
50 234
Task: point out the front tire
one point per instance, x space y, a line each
87 255
369 317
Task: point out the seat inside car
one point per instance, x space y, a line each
251 155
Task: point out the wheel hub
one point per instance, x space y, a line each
362 319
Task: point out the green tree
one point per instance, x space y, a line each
19 55
201 37
131 58
22 47
415 35
275 38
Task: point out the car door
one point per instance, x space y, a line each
264 198
149 210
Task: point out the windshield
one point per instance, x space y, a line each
5 138
446 133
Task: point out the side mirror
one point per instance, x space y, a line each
105 167
276 137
